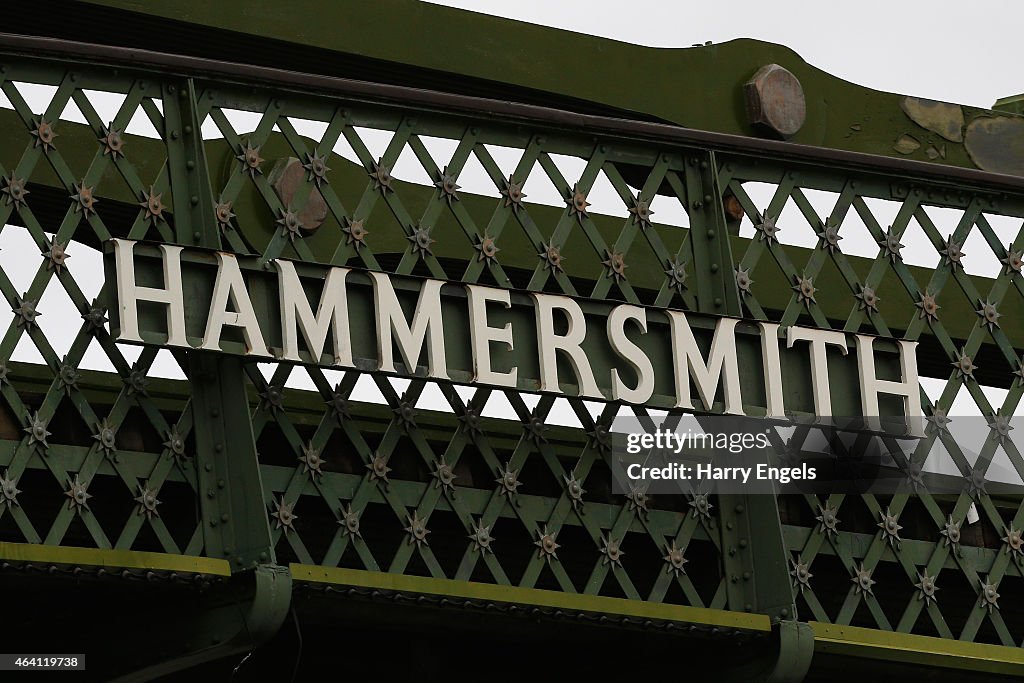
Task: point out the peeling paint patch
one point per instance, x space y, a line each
942 118
996 143
906 144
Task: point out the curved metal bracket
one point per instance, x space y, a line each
247 612
796 649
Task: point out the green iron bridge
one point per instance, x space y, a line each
173 512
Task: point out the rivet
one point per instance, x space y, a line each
278 104
218 447
208 467
170 88
748 607
197 236
188 130
664 157
540 140
714 267
718 302
194 199
704 164
224 517
74 77
793 175
728 525
739 509
707 199
190 164
784 612
213 522
711 234
239 561
602 149
263 557
746 576
474 130
211 494
220 483
697 204
215 412
743 543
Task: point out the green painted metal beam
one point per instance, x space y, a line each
338 576
916 649
112 559
699 87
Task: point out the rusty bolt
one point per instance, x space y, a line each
286 178
775 101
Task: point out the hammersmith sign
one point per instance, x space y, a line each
349 318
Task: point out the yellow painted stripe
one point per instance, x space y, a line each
113 559
905 647
529 596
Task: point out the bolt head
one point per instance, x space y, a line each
775 101
113 141
45 132
224 213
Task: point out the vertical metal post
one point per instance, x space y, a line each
709 237
753 553
235 522
236 525
191 197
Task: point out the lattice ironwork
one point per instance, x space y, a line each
94 459
425 481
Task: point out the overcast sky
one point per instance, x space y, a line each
964 52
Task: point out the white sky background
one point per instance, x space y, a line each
949 51
963 52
